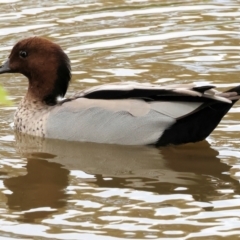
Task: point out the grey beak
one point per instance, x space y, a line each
5 67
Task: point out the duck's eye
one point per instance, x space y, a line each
23 54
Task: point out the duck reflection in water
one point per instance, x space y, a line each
194 167
42 187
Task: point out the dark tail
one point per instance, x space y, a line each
199 125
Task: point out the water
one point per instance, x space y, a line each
60 190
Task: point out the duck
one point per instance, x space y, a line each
124 113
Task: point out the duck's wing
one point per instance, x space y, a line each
135 114
152 92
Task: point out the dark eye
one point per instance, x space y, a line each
23 54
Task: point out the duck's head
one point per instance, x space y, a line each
45 65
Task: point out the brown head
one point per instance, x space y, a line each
45 65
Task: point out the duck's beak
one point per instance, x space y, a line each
5 67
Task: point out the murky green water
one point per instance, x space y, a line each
60 190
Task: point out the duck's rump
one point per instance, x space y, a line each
137 114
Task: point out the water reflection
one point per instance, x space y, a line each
192 169
42 187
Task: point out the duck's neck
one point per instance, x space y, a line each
28 99
41 89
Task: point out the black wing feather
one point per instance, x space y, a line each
148 94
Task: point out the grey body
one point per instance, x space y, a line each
92 123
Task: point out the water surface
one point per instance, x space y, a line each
62 190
